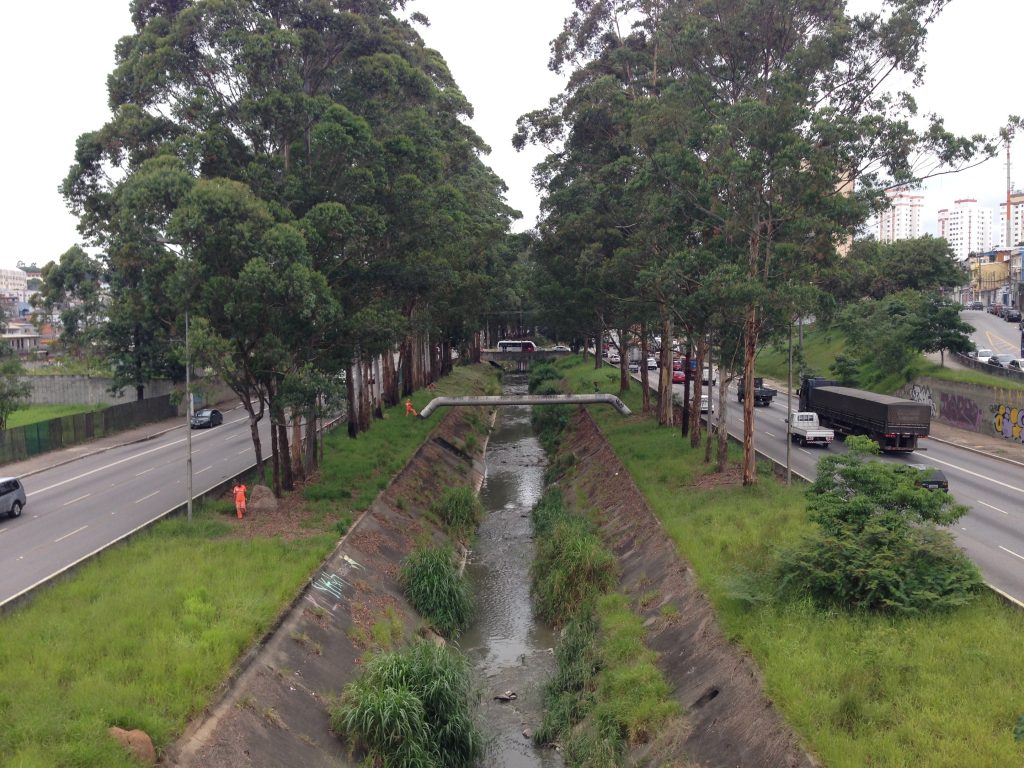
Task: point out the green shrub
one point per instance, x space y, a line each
411 709
549 421
568 697
541 373
435 588
460 511
877 546
572 564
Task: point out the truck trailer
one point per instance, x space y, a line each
894 423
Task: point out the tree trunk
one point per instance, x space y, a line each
352 394
698 388
298 470
665 407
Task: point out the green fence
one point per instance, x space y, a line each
32 439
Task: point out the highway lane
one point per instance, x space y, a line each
992 533
79 508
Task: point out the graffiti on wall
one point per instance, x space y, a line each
1009 422
921 393
960 411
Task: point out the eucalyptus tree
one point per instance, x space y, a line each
303 154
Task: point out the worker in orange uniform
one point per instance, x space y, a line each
239 491
409 410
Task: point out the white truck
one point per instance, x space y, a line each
805 429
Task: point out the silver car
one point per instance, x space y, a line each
12 496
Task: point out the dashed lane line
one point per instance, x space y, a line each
997 509
77 530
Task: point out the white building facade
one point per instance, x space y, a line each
13 284
967 227
902 220
1016 221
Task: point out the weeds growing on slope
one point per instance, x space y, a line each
460 510
411 709
435 588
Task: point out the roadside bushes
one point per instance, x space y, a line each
436 589
877 546
411 709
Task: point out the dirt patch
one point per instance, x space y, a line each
730 721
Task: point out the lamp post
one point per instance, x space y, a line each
188 419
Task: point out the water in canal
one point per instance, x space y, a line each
509 649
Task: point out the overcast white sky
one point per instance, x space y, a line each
55 89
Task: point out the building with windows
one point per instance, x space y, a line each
13 284
1016 222
902 219
967 227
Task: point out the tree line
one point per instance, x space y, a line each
298 180
715 159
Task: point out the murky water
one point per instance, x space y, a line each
509 649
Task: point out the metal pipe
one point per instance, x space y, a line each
611 400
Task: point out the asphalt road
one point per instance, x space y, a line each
78 509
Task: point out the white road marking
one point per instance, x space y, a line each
78 499
203 470
997 509
154 493
250 448
70 534
1011 552
140 474
770 434
804 450
977 474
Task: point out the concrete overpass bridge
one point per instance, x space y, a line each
519 361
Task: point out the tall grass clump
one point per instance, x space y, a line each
572 564
541 373
435 588
607 692
460 510
411 709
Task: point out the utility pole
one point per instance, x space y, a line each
188 419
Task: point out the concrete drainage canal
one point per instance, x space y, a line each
510 651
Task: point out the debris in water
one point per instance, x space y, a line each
506 696
527 733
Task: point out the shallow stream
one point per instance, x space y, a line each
509 649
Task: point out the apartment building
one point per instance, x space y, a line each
967 227
1016 221
902 220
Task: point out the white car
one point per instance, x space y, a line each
652 363
614 359
560 348
634 367
982 355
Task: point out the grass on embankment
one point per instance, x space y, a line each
34 414
943 690
143 635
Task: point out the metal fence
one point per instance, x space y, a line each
24 442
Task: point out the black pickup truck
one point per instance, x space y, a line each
762 395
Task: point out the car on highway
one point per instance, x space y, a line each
930 478
678 377
12 496
1011 315
206 418
995 309
634 366
560 348
614 358
982 355
975 305
652 363
1017 364
677 365
1001 360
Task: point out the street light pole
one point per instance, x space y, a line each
789 407
188 419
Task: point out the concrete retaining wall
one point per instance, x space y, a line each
57 390
985 410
